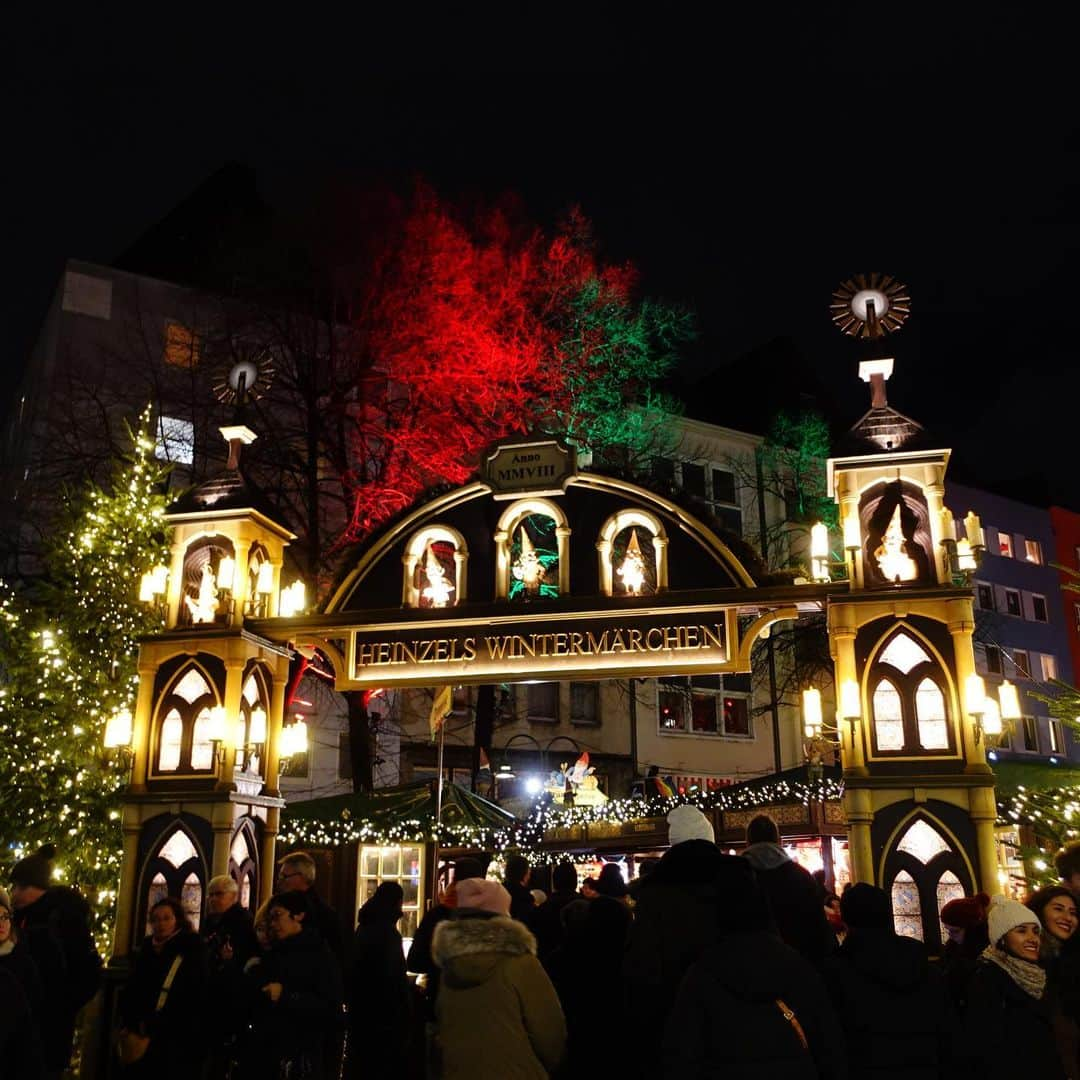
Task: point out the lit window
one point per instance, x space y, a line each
1021 664
191 898
930 711
1038 608
1055 737
178 849
902 653
159 889
1005 547
922 841
888 717
907 911
1012 603
1033 551
1049 667
948 888
672 706
192 686
181 345
172 733
239 850
175 441
202 749
398 864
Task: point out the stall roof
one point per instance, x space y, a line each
403 807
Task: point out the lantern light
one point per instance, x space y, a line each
146 588
257 730
948 524
1010 701
852 532
161 579
226 573
991 719
973 528
975 694
811 711
819 551
265 582
215 730
965 558
118 730
850 706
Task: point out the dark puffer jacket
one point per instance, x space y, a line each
675 921
728 1019
1006 1032
894 1007
295 1027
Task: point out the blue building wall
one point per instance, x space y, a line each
1019 613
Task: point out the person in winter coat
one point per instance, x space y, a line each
547 920
15 958
379 998
497 1011
794 897
1007 1030
296 873
967 936
751 1006
595 1014
674 923
54 922
297 996
516 883
892 1004
229 934
173 1015
1059 953
20 1047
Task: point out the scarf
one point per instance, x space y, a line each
1028 976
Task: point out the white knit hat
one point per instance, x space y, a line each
687 822
1005 915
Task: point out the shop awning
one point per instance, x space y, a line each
406 812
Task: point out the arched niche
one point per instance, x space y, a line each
205 598
180 745
532 551
923 870
259 584
251 743
435 568
898 545
244 861
622 534
175 867
910 697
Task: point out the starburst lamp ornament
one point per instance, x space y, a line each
527 568
893 561
438 589
632 570
869 306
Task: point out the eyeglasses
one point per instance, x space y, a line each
291 873
4 919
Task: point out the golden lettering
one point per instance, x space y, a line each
496 647
575 643
635 640
598 645
617 643
469 651
690 637
561 643
715 641
649 639
671 637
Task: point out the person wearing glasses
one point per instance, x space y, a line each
298 995
229 934
296 873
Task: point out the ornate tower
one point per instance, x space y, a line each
919 795
203 798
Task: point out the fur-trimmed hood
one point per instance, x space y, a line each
470 950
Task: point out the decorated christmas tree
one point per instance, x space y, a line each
68 661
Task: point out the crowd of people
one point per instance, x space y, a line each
707 965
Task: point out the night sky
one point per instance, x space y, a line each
745 168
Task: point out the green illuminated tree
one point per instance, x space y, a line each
68 658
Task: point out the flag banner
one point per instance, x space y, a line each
440 709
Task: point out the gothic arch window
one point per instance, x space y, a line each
532 552
251 727
632 550
909 700
898 547
243 863
924 871
435 567
182 746
176 869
